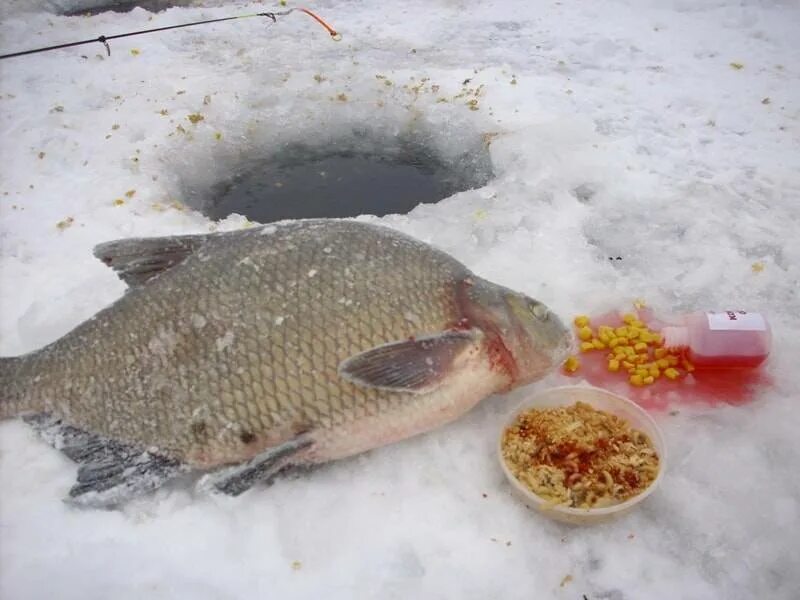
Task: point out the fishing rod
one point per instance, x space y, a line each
104 39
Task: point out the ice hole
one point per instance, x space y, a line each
345 178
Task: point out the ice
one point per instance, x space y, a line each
661 132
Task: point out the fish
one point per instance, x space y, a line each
235 356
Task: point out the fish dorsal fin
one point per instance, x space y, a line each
138 260
417 365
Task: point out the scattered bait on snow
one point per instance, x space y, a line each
636 351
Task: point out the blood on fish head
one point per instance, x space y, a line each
525 339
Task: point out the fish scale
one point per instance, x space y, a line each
237 344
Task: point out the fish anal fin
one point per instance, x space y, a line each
110 472
137 260
418 365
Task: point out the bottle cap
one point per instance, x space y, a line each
675 337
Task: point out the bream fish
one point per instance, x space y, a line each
241 354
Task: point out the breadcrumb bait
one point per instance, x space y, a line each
579 456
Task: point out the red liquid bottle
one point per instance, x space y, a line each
731 339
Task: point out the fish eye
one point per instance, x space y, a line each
539 310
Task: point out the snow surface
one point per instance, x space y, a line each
662 131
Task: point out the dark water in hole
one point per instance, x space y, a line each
342 185
95 8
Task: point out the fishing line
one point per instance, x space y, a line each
104 39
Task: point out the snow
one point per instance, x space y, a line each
664 132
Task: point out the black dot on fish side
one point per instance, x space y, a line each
247 437
199 429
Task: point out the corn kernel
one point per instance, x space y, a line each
628 318
642 372
604 337
613 343
581 321
598 344
623 341
645 336
637 380
673 360
629 351
586 346
649 380
611 356
605 329
571 364
671 373
619 351
613 366
660 352
640 359
655 372
662 363
621 331
633 333
640 347
658 338
628 365
585 333
639 324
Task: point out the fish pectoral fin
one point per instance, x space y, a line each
264 467
110 472
418 365
137 260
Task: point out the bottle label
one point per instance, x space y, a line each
736 320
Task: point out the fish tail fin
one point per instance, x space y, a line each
15 397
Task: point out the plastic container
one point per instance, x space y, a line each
601 400
722 340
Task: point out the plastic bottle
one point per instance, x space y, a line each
728 339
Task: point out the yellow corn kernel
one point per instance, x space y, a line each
671 373
628 318
628 365
655 372
662 363
649 380
645 336
605 329
660 352
587 346
642 372
623 341
614 343
633 333
637 380
613 365
604 337
629 351
657 338
640 347
621 331
571 364
581 321
598 344
640 325
673 360
611 356
640 359
585 333
689 367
